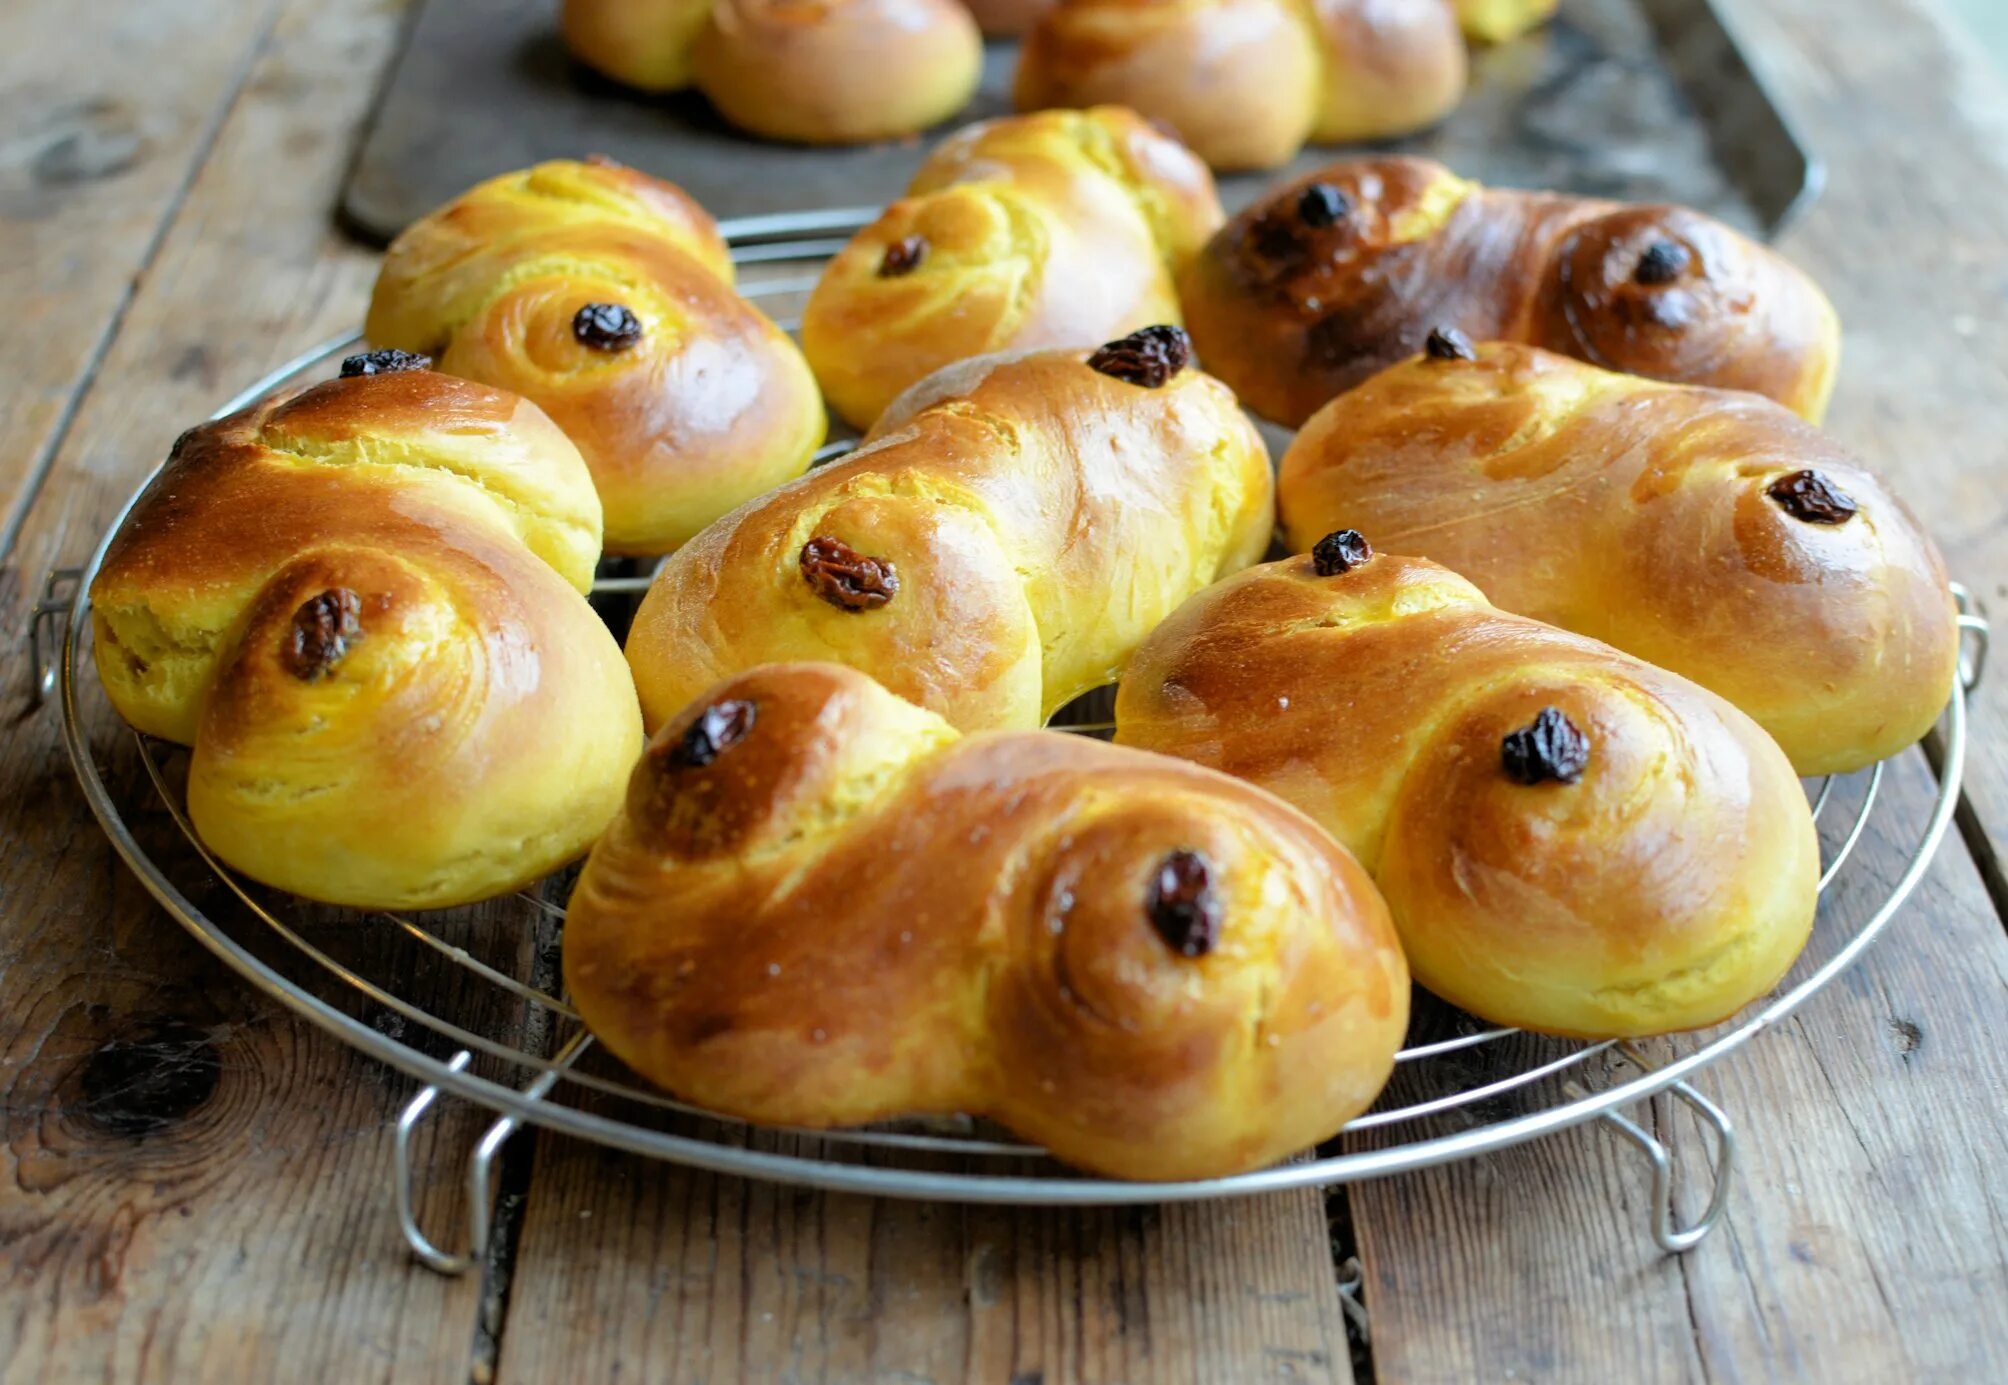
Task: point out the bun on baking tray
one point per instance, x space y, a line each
1007 534
1247 82
810 71
822 906
1063 228
1711 532
361 607
1569 840
1343 272
605 296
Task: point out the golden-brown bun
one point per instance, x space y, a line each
1644 515
815 71
1047 149
1496 21
1391 67
1038 516
822 907
1006 18
1059 229
1661 883
710 404
838 71
1246 82
1291 310
359 607
644 43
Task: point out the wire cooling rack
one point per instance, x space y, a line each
466 1001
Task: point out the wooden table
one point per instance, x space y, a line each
193 1183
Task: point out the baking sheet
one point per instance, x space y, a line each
1644 99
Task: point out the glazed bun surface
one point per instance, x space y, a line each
823 907
1711 532
1246 82
605 296
1005 537
1344 272
838 71
362 609
1058 229
1569 840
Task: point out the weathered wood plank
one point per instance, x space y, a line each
194 1185
667 1275
103 120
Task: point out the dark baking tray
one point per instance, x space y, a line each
1648 99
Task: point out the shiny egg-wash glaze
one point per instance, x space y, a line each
823 907
1344 272
1569 840
1247 82
362 607
1057 229
1678 523
605 296
811 71
1031 518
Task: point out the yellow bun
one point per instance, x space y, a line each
1037 516
838 71
1658 880
815 71
359 607
605 296
1060 229
1347 270
1665 519
1496 21
644 43
1247 82
822 907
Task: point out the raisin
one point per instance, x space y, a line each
717 729
1549 747
903 257
606 326
383 363
1340 552
1149 357
1662 262
1449 344
322 630
1811 497
1323 205
1182 904
845 577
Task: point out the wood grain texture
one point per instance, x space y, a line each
666 1274
98 140
193 1185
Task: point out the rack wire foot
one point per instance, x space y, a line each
480 1165
1667 1233
1973 635
59 591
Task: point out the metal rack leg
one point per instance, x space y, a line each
59 590
480 1165
1972 637
1667 1233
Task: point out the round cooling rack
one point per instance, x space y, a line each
466 1001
